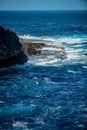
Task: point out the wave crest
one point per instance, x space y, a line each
55 40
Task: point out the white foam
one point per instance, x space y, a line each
29 37
44 61
40 121
74 57
82 126
19 124
64 40
85 67
72 71
73 54
49 48
69 40
1 102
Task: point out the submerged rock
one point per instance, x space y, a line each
30 48
61 53
43 50
10 49
54 51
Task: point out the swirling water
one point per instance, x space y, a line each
46 93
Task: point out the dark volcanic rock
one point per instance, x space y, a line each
10 49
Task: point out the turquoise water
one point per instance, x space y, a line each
46 93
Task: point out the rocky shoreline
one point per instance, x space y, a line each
10 49
13 51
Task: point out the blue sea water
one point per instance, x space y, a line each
46 93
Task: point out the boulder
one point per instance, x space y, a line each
10 49
30 48
42 49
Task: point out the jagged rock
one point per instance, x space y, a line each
10 49
42 49
32 48
14 52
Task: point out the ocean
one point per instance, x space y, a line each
46 93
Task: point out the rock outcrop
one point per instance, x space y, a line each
10 49
32 48
13 51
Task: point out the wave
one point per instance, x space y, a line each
55 39
73 45
28 38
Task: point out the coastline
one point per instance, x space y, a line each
48 91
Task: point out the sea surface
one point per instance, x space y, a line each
46 93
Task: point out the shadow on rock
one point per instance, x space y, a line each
10 49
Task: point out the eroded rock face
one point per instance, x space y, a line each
10 49
44 50
14 52
32 48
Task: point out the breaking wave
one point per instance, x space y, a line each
75 48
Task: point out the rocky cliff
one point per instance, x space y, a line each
10 49
13 51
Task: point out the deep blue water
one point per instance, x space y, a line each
48 23
46 94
